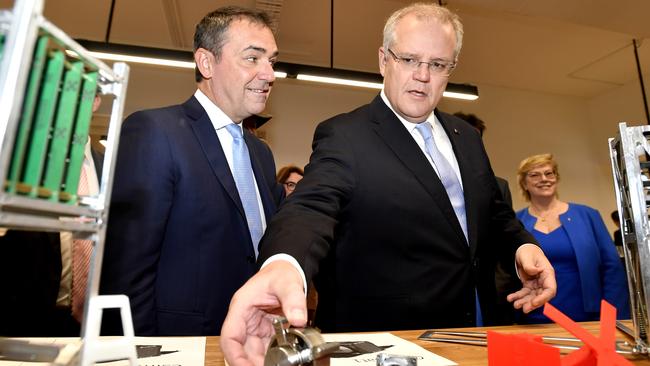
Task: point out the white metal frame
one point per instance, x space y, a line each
630 157
21 27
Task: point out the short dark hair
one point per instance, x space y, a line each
472 120
211 31
285 172
615 216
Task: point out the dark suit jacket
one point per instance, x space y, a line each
177 242
372 218
505 276
505 190
30 274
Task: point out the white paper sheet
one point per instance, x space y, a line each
190 351
399 346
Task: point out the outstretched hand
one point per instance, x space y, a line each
537 277
276 289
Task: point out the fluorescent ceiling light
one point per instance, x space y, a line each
280 74
466 95
455 95
152 61
142 60
329 75
338 81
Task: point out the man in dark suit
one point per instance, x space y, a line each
378 221
182 237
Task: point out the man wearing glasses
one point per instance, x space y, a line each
392 217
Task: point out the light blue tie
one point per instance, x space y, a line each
454 191
243 174
447 176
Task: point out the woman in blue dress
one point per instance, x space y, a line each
576 241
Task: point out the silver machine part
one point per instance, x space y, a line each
630 157
385 359
297 346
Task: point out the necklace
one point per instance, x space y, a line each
542 216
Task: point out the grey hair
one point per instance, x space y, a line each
424 11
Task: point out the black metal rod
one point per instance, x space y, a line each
110 21
331 34
638 69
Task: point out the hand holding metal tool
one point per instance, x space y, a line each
296 346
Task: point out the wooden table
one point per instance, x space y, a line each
464 355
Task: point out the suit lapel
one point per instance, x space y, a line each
207 137
398 139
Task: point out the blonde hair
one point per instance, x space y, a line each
531 163
424 11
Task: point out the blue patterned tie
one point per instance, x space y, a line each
243 174
454 191
447 176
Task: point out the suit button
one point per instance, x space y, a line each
250 259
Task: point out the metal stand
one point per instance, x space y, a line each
630 156
87 220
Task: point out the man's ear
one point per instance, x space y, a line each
382 60
204 60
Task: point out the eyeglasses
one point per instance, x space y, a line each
436 67
550 175
290 185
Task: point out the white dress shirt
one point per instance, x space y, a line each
440 139
220 120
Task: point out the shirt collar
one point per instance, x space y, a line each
218 118
410 126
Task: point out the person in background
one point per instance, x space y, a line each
577 243
505 276
618 237
393 216
193 191
289 176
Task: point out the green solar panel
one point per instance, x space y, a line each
27 112
39 136
62 130
79 138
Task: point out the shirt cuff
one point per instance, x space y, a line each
294 263
517 268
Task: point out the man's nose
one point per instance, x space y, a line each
267 73
422 72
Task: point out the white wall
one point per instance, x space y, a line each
297 107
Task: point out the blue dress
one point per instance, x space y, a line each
569 292
586 263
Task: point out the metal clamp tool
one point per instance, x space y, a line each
297 346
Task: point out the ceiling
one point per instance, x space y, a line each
578 48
